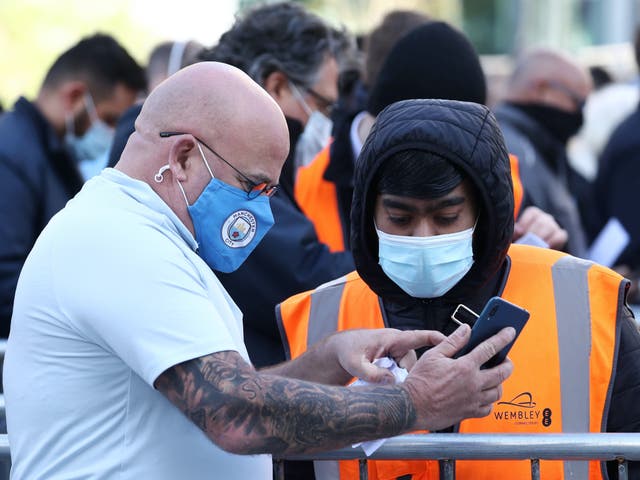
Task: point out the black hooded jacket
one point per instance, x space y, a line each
477 148
477 151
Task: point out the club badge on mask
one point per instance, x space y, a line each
426 267
92 148
316 133
228 225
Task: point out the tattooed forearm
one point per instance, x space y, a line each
244 411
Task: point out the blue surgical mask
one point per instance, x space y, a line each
93 146
228 225
426 267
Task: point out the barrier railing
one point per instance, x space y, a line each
447 448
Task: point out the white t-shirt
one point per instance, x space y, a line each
111 296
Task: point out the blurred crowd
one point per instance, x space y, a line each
570 130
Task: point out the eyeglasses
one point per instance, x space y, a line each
253 189
578 100
326 105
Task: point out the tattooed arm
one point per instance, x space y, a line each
244 411
347 354
248 412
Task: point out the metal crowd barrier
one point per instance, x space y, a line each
620 447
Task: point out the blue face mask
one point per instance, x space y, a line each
228 225
93 146
426 267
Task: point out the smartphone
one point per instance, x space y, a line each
496 315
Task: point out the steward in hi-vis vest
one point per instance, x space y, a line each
432 221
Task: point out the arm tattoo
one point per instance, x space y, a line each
261 413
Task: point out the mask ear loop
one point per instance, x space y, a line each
300 98
204 159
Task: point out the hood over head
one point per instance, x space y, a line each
465 134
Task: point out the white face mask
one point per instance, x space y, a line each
426 267
93 146
316 134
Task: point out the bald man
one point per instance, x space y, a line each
126 357
541 112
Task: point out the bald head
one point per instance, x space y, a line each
548 77
216 102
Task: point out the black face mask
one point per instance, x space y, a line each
561 124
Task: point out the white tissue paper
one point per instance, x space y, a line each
400 374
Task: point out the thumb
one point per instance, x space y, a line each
454 342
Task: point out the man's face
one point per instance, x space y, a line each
321 96
568 92
413 217
107 109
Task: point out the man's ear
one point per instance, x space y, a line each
277 85
72 95
179 157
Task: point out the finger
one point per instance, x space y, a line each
490 396
558 239
495 376
408 360
371 373
528 216
454 342
404 341
487 349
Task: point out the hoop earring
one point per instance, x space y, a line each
159 177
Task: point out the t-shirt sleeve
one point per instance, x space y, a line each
141 298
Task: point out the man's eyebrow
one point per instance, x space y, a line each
447 202
399 204
436 205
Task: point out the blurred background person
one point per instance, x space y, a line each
616 189
294 55
44 142
541 111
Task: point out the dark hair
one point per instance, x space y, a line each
381 40
417 174
100 61
278 37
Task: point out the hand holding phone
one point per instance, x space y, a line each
496 315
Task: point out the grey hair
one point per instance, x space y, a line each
282 37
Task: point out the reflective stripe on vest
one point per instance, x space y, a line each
318 200
561 377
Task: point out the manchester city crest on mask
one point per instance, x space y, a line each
239 229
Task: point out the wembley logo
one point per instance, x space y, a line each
521 410
239 229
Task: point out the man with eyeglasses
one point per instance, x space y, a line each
126 357
541 111
294 55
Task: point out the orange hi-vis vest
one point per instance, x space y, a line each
318 198
564 359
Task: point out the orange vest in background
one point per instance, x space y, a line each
518 189
318 198
563 360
